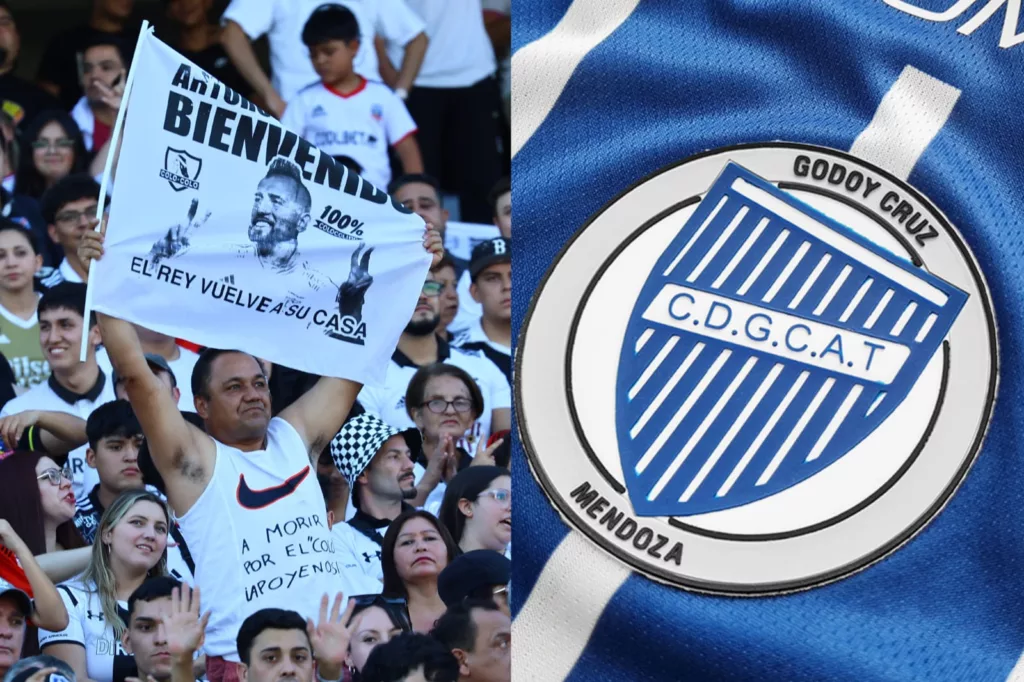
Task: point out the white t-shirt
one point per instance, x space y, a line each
459 53
365 552
475 334
361 125
105 657
283 21
259 538
52 397
388 402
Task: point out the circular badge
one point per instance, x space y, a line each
757 371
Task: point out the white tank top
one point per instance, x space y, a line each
259 538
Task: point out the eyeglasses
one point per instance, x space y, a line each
69 217
432 288
60 143
440 406
54 476
501 495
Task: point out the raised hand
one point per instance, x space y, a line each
444 460
10 539
485 456
331 636
12 427
185 629
352 291
90 246
176 241
433 243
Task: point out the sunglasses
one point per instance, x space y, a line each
432 288
397 608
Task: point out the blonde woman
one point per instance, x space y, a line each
130 546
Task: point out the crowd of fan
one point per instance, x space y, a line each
132 545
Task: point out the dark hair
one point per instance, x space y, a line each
416 391
152 589
446 262
456 629
114 418
21 506
395 660
285 168
467 485
501 187
204 366
29 181
393 584
266 619
409 178
67 296
98 39
73 187
8 225
330 21
349 163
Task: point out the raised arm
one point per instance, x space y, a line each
320 412
181 453
239 48
66 564
48 610
54 433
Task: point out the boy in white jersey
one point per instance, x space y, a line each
245 491
345 114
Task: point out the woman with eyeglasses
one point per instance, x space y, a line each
416 549
377 620
477 509
130 546
57 150
36 499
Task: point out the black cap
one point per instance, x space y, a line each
486 254
470 572
155 362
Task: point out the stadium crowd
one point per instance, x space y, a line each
132 547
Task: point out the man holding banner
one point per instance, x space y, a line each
245 491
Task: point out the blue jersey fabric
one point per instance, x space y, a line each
679 78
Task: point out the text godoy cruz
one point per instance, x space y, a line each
330 321
282 544
242 135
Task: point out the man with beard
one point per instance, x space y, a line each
419 346
377 461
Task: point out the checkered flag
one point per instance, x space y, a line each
357 443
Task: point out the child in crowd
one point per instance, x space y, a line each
345 114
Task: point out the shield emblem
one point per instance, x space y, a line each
768 341
181 169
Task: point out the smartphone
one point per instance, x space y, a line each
117 81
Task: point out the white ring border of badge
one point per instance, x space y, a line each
560 458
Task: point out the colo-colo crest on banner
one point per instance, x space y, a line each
780 374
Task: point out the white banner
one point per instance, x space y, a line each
232 232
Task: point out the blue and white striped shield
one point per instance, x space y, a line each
767 343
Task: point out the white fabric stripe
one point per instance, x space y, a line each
834 424
696 236
683 410
874 404
763 263
833 290
663 393
879 309
719 243
644 338
857 298
740 422
815 274
541 69
653 366
787 271
926 328
554 626
751 240
839 242
798 429
709 419
906 121
901 323
765 430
